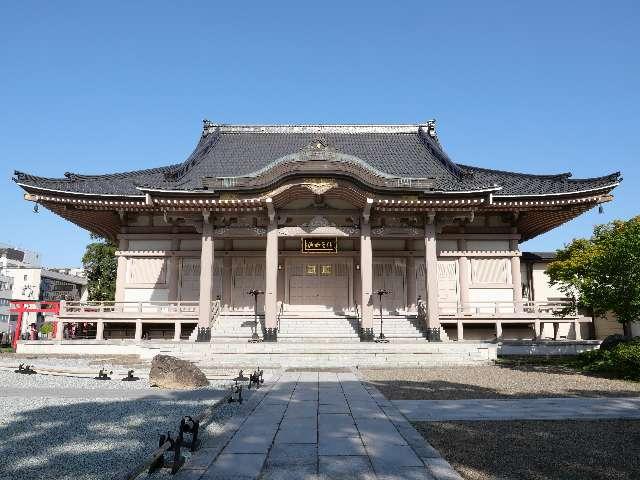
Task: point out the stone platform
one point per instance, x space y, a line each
282 355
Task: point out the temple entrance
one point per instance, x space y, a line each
389 274
319 283
247 274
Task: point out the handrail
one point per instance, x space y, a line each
216 308
524 308
147 306
280 313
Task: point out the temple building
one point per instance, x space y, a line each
322 227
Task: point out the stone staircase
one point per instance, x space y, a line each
403 328
327 354
399 328
317 326
236 327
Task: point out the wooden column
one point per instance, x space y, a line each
100 330
460 330
206 272
499 330
366 281
271 280
412 293
516 278
576 328
431 275
463 277
138 333
177 331
121 274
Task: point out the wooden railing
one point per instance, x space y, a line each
109 308
518 309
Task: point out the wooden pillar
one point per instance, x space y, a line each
138 333
516 278
206 272
499 330
121 274
100 330
576 327
431 275
271 281
177 331
366 280
536 329
174 271
460 330
410 273
60 330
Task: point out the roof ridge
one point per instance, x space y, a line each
211 127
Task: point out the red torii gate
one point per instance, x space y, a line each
20 307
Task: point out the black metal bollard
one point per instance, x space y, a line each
25 370
173 451
190 427
204 334
433 334
102 375
236 393
256 379
130 377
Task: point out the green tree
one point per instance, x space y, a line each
603 272
101 266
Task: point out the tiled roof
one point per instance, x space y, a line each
531 257
406 151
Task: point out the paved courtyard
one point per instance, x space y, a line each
521 409
318 425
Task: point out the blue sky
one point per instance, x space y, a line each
95 87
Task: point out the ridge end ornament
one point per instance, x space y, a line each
318 149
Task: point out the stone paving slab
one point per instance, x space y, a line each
318 426
520 409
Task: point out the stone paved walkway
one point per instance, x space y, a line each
318 425
520 409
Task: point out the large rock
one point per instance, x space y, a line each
171 372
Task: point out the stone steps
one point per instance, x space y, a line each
356 354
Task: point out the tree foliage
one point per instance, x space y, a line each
101 266
603 272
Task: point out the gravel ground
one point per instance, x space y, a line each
88 438
495 381
539 450
71 361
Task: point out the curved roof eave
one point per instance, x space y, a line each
83 194
560 194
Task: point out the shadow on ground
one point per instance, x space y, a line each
539 450
84 440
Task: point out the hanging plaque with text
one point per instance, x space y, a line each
319 245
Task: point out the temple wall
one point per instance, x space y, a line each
166 267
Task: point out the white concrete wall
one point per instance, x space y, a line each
542 290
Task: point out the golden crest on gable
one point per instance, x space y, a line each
319 186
